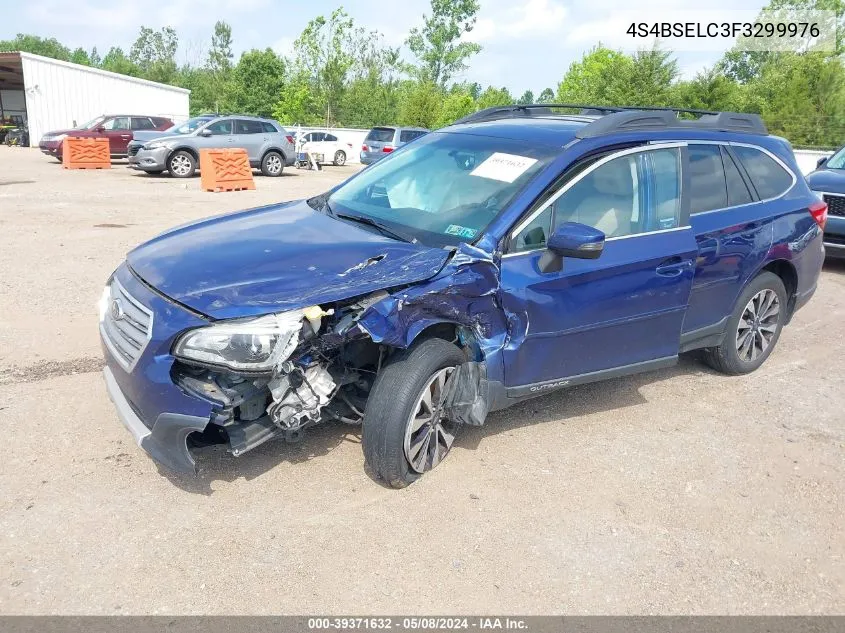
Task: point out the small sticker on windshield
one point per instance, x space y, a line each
504 167
461 231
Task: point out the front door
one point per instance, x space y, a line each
118 132
616 314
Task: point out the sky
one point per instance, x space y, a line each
526 44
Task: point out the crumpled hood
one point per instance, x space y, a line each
832 180
276 258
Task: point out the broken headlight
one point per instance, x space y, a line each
245 345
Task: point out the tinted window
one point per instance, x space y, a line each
769 179
381 135
406 136
737 189
118 123
665 165
269 128
142 123
220 127
331 137
244 126
706 179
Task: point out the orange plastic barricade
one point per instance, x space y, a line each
86 153
225 170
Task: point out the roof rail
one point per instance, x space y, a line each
532 109
628 118
667 119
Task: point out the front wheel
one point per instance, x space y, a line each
754 327
339 158
182 165
406 431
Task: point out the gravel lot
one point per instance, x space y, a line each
680 491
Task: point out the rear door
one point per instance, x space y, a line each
733 231
622 312
249 135
119 133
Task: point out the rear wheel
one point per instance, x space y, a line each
273 164
339 158
406 432
754 327
182 164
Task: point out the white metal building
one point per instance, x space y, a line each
50 94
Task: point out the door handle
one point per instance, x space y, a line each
673 267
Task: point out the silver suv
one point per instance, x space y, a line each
383 140
269 146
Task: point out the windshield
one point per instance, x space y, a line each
90 124
443 188
189 126
837 161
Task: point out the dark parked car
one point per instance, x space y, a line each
118 128
514 253
828 180
382 140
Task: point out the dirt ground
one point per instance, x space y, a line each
679 491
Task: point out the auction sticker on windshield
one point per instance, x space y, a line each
504 167
461 231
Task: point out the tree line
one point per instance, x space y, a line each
339 73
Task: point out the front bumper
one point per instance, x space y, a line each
150 159
157 412
51 148
167 441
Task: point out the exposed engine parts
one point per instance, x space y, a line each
299 395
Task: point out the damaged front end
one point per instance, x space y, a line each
279 374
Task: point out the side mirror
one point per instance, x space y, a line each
820 162
571 239
100 129
205 133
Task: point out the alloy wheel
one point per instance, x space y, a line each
180 165
429 433
274 164
758 325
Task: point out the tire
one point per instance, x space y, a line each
273 164
339 158
749 343
397 391
182 164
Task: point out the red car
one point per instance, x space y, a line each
117 128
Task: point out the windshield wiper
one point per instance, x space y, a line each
381 226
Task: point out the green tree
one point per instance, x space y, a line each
711 90
437 45
116 61
420 104
458 103
154 53
257 81
648 80
546 96
493 97
37 45
526 98
295 105
95 58
600 78
80 56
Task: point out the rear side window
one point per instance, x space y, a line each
381 134
768 177
706 179
331 137
244 126
406 136
269 128
142 123
737 189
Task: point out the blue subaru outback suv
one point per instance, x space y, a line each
519 251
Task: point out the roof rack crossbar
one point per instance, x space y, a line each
628 118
